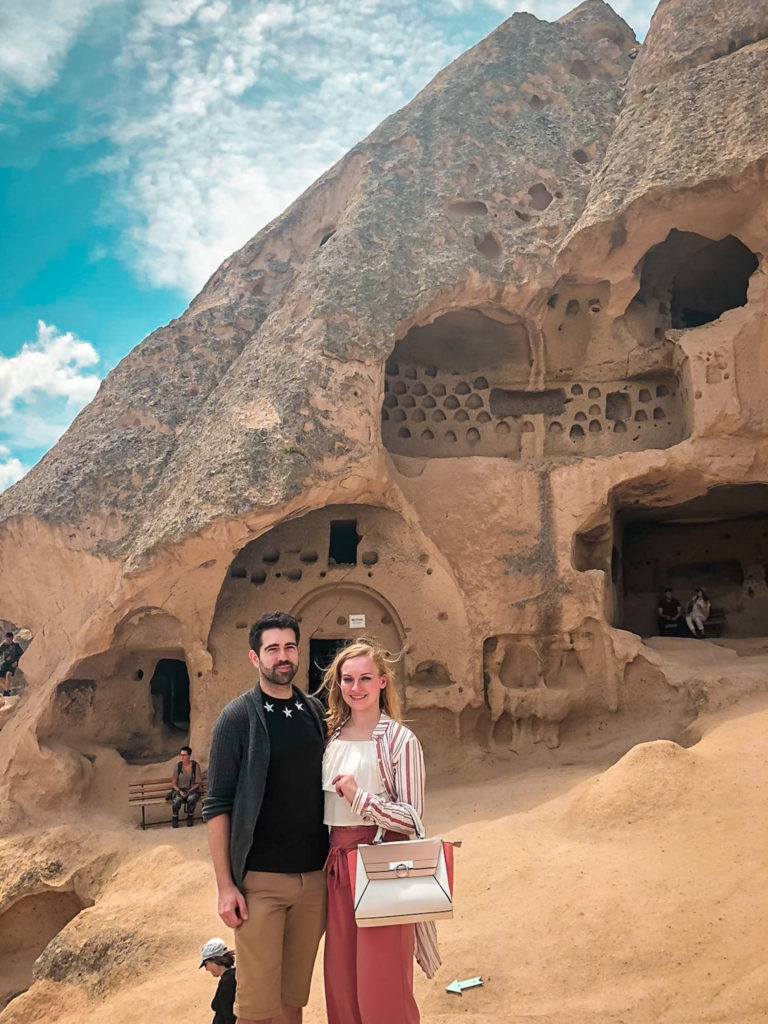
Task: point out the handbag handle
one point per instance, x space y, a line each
418 826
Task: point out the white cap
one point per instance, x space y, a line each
213 947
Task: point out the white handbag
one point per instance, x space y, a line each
402 882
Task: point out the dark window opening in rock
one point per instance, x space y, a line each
327 237
702 277
527 403
321 654
617 406
580 156
169 687
342 546
536 102
715 542
26 928
238 573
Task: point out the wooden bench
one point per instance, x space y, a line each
715 622
154 791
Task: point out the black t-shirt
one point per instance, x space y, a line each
290 836
670 608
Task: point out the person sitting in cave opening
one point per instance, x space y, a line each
697 612
670 615
10 652
186 787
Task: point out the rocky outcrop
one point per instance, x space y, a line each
468 189
484 390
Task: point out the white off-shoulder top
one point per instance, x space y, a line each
349 757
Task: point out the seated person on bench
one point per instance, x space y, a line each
186 786
697 613
670 615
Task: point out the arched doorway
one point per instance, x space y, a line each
335 613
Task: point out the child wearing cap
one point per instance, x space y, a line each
220 963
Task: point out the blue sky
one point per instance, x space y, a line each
142 141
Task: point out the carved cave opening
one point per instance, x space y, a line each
137 701
461 386
344 571
689 280
26 928
718 541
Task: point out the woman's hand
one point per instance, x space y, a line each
346 786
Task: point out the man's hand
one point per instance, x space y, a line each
232 906
346 786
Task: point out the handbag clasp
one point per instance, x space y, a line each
400 867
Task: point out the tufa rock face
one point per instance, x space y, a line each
472 186
484 390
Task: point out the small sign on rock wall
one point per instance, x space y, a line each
357 622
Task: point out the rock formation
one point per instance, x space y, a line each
486 388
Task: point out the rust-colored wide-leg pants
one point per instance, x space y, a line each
368 971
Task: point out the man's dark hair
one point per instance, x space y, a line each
9 634
272 620
187 750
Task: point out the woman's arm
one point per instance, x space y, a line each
409 789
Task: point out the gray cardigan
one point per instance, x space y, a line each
237 769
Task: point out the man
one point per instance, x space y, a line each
186 786
10 652
670 614
264 815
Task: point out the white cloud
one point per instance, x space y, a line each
42 387
36 37
11 468
236 108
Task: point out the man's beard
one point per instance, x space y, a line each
280 675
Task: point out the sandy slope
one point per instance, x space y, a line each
631 896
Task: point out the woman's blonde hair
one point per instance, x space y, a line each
338 712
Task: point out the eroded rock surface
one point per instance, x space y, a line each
484 390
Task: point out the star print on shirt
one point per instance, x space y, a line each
287 712
299 707
268 707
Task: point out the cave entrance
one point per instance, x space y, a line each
333 615
689 280
26 928
169 688
718 541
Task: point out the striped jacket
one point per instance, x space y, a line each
401 764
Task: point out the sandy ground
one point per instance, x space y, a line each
631 895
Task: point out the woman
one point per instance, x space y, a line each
697 612
220 963
373 775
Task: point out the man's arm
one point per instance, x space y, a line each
231 902
175 779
